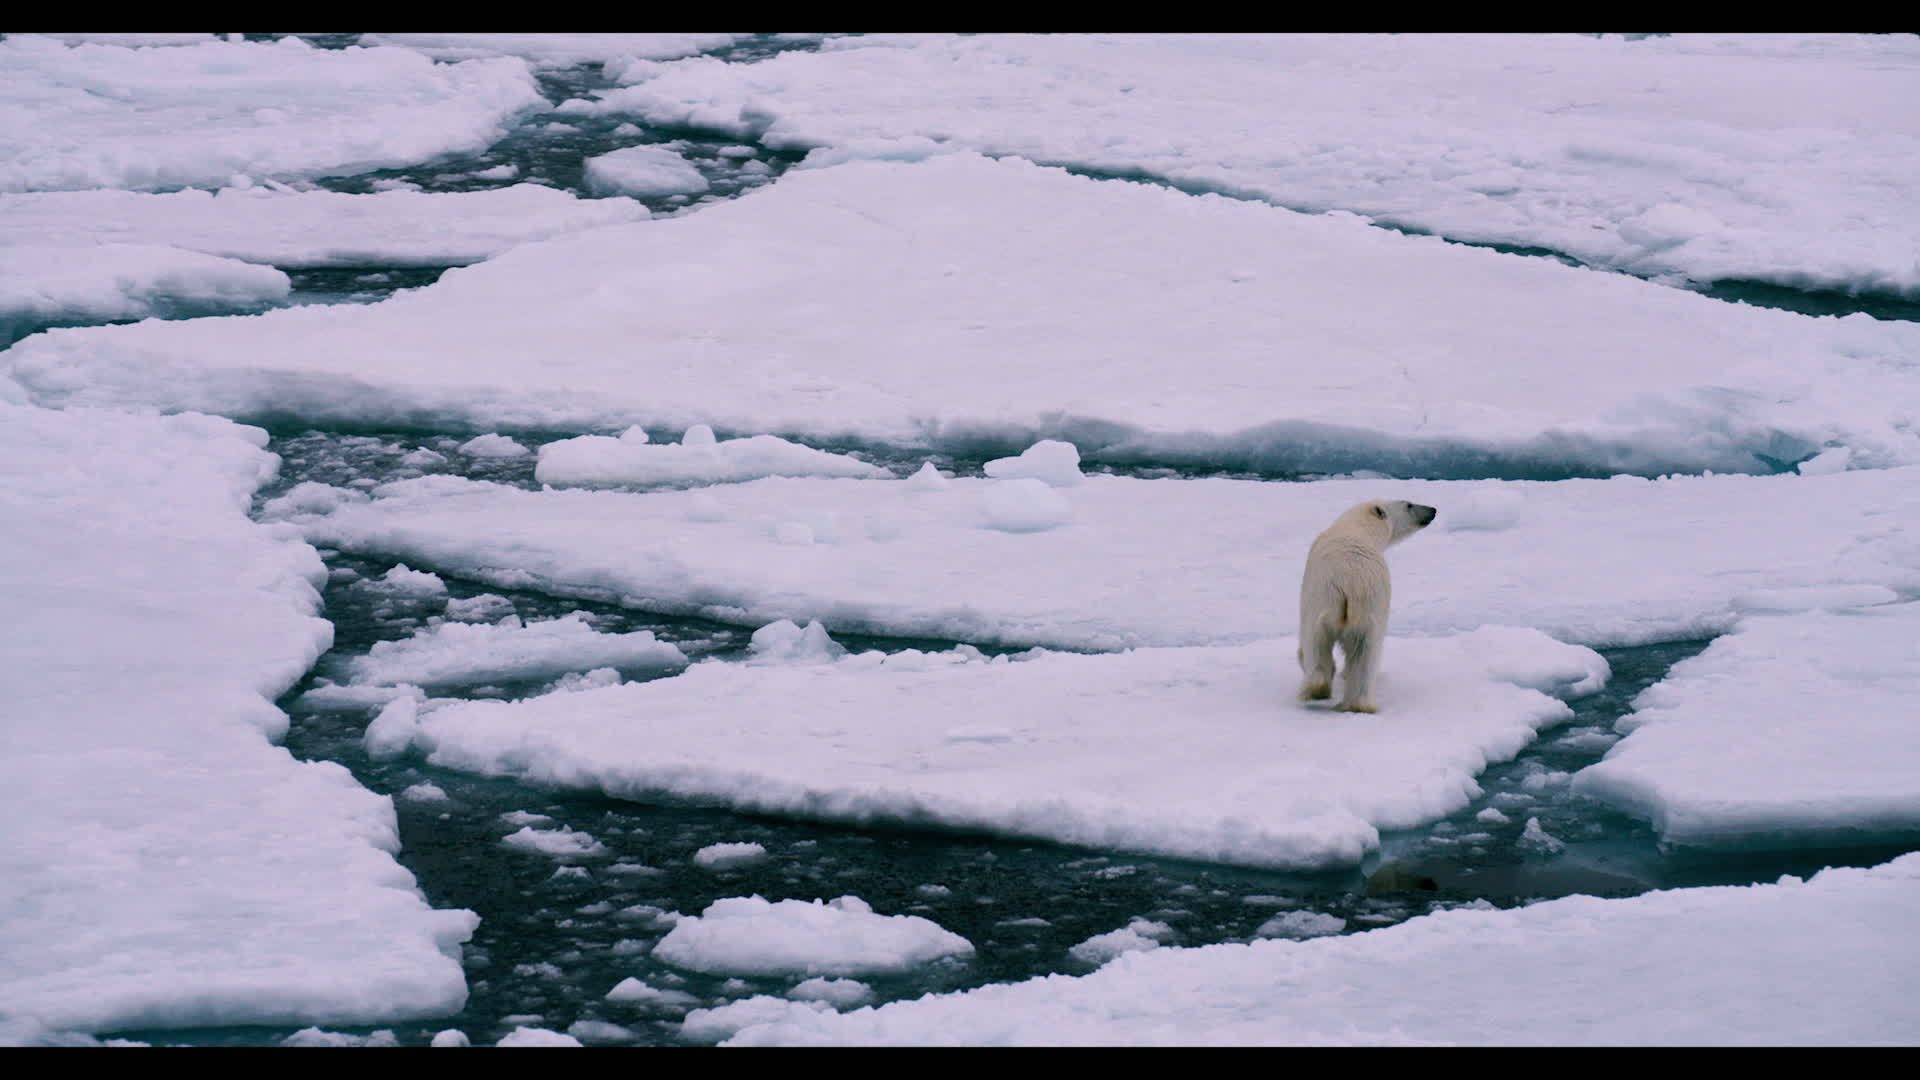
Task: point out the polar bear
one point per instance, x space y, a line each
1344 596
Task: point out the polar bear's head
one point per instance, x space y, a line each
1402 518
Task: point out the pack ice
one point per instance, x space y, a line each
44 285
1612 562
1624 561
1823 961
1102 750
1224 333
1774 158
274 224
94 115
165 864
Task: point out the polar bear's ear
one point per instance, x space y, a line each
1379 511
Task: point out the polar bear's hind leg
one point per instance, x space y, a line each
1362 655
1316 658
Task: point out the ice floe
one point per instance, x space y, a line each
1826 961
1138 323
1793 730
1770 157
699 458
1624 561
1199 752
1137 936
472 654
273 224
747 935
165 864
556 50
155 119
44 285
643 172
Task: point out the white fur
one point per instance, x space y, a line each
1344 597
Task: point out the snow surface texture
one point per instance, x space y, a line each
150 627
268 223
1105 751
1774 158
1795 730
45 285
1222 332
748 936
106 116
1602 563
632 461
1827 961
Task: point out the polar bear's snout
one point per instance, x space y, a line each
1422 514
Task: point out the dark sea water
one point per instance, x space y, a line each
555 936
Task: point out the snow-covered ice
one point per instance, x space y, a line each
1197 753
393 730
533 1036
1793 730
45 285
728 856
1055 463
644 172
1137 936
273 224
165 865
747 935
454 654
601 461
1778 158
999 302
561 843
1024 505
1826 961
1301 924
1625 561
403 580
556 50
784 641
493 445
839 993
83 116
